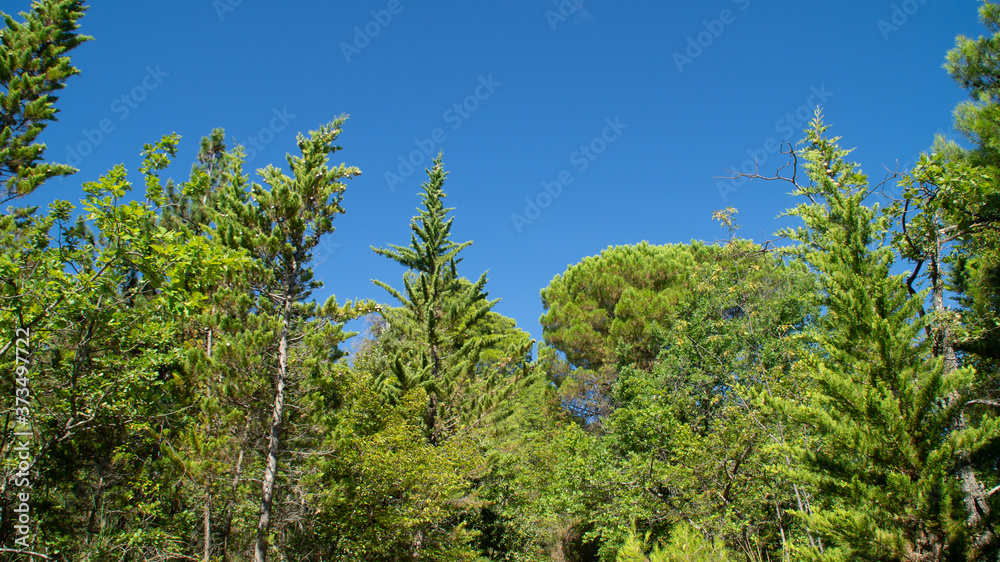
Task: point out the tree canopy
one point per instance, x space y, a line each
175 392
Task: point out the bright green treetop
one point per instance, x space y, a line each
33 67
885 410
442 317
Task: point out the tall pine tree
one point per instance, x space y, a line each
280 226
884 411
442 318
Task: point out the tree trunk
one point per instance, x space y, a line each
264 525
974 495
207 516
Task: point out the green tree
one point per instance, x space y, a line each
33 67
973 64
948 222
195 203
885 409
973 258
104 356
602 313
223 348
280 226
444 319
383 492
946 205
692 440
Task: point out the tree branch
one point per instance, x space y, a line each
28 552
984 403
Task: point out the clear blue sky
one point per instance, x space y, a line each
537 94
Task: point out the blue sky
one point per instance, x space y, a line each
566 126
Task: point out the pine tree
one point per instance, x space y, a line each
973 64
972 213
602 313
442 315
225 342
948 225
193 204
884 411
33 67
279 227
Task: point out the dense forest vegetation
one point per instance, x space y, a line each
172 391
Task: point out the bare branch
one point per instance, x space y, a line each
27 552
991 403
793 161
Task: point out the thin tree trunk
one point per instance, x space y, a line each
207 516
432 406
264 525
781 527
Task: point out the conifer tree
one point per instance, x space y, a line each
33 67
973 64
193 204
223 363
602 314
948 225
884 410
973 210
280 226
442 315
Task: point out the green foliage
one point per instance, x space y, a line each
603 312
884 414
973 64
448 325
193 204
974 261
693 402
104 300
281 224
689 438
686 545
386 493
33 67
541 484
